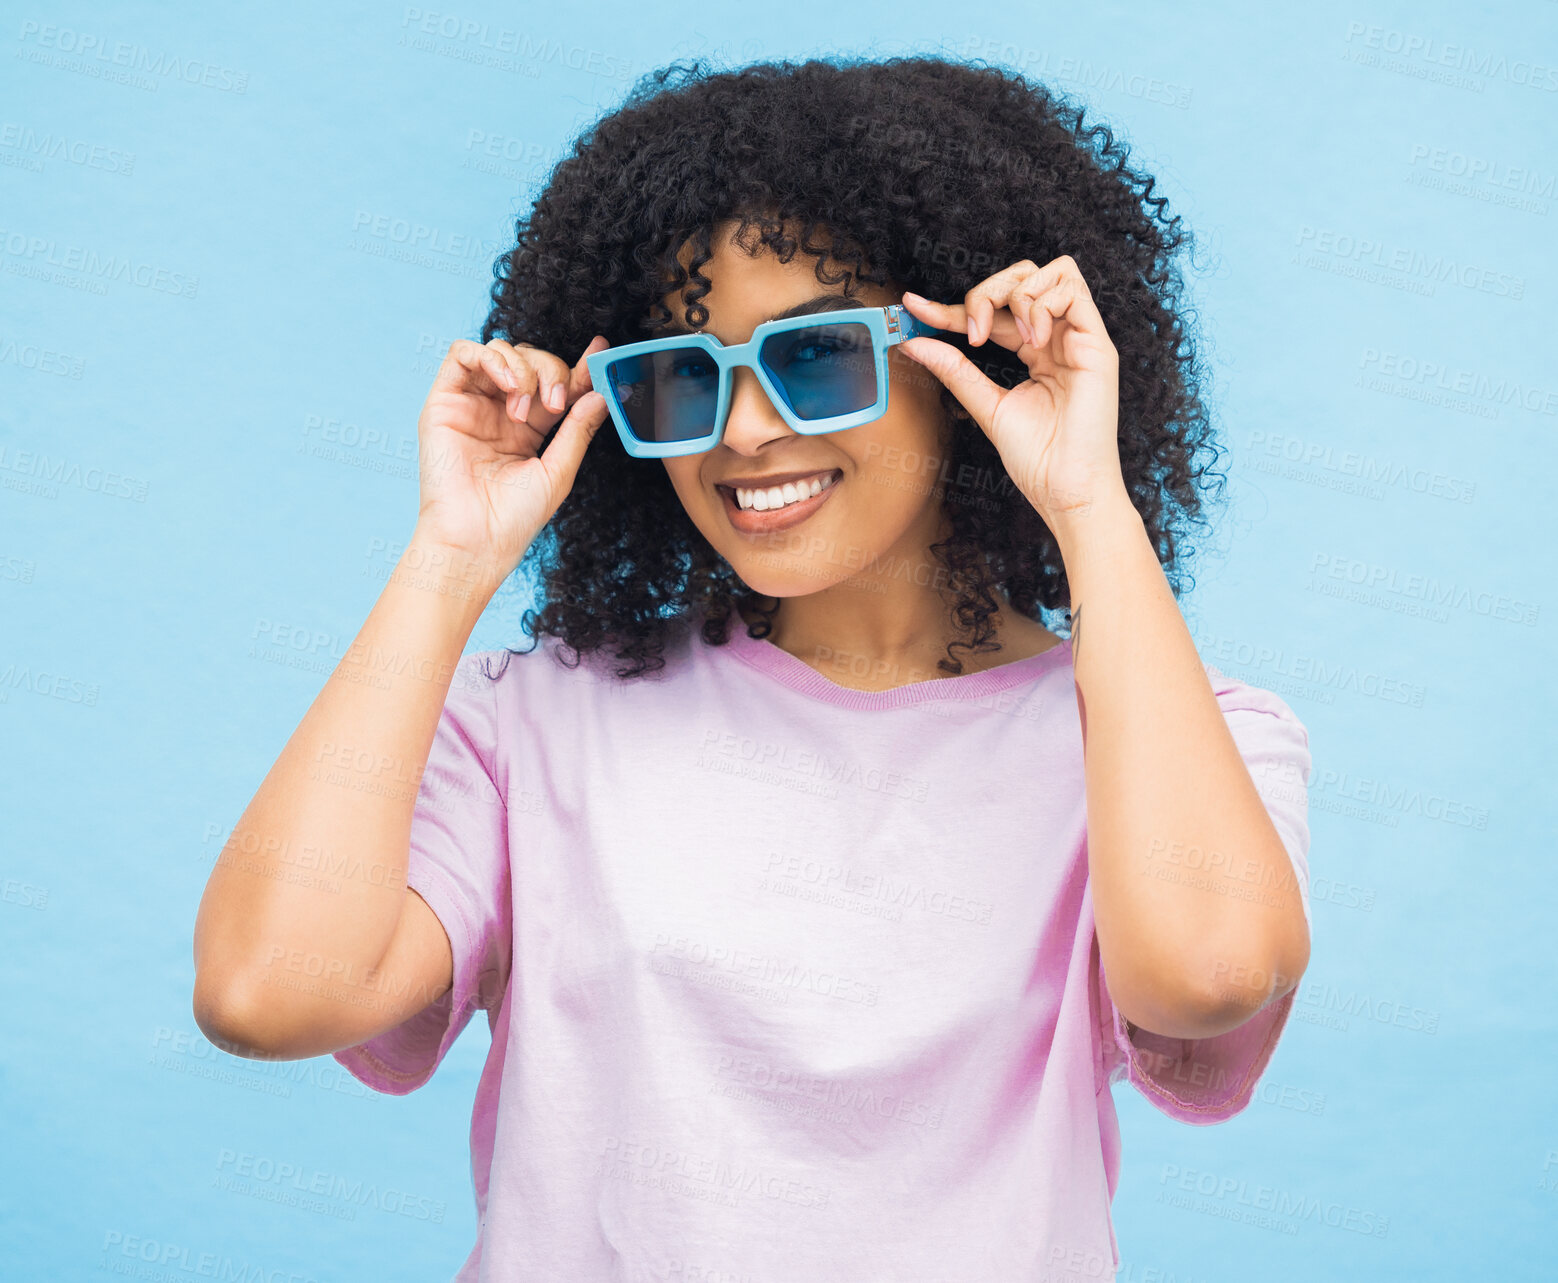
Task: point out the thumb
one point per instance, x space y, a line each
977 394
565 451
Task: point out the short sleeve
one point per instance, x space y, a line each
1209 1080
459 864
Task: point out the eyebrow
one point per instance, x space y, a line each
816 303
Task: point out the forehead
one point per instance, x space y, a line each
748 282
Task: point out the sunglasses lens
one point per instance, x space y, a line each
670 395
823 370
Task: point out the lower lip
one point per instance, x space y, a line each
749 521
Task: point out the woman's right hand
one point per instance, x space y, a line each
487 488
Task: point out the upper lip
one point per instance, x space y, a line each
778 479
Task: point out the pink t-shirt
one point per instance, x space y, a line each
790 982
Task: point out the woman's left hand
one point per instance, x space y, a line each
1056 433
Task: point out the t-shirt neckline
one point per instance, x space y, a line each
798 675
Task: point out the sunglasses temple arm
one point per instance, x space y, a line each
902 325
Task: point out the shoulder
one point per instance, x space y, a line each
1270 736
1234 695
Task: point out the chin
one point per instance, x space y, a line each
798 565
823 551
784 574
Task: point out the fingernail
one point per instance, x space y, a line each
554 396
524 406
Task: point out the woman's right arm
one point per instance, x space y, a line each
289 966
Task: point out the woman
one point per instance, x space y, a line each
815 891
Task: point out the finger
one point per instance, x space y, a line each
977 317
1059 291
525 379
944 316
542 381
565 452
579 380
986 300
976 393
473 367
1021 306
1067 325
1044 309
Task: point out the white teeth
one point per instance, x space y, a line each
782 496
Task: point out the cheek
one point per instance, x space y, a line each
684 481
893 492
705 508
900 467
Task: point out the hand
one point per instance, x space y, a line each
1056 432
487 490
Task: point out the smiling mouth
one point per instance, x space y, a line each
777 498
795 502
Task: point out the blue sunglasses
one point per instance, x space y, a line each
671 396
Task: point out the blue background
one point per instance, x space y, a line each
1306 145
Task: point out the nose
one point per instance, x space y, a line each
753 421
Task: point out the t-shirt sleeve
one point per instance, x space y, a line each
459 864
1209 1080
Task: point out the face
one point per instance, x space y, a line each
879 505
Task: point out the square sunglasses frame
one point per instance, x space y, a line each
888 325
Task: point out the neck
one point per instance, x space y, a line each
880 632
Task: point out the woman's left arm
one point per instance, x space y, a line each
1167 788
1186 958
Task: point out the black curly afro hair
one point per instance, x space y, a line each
915 173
